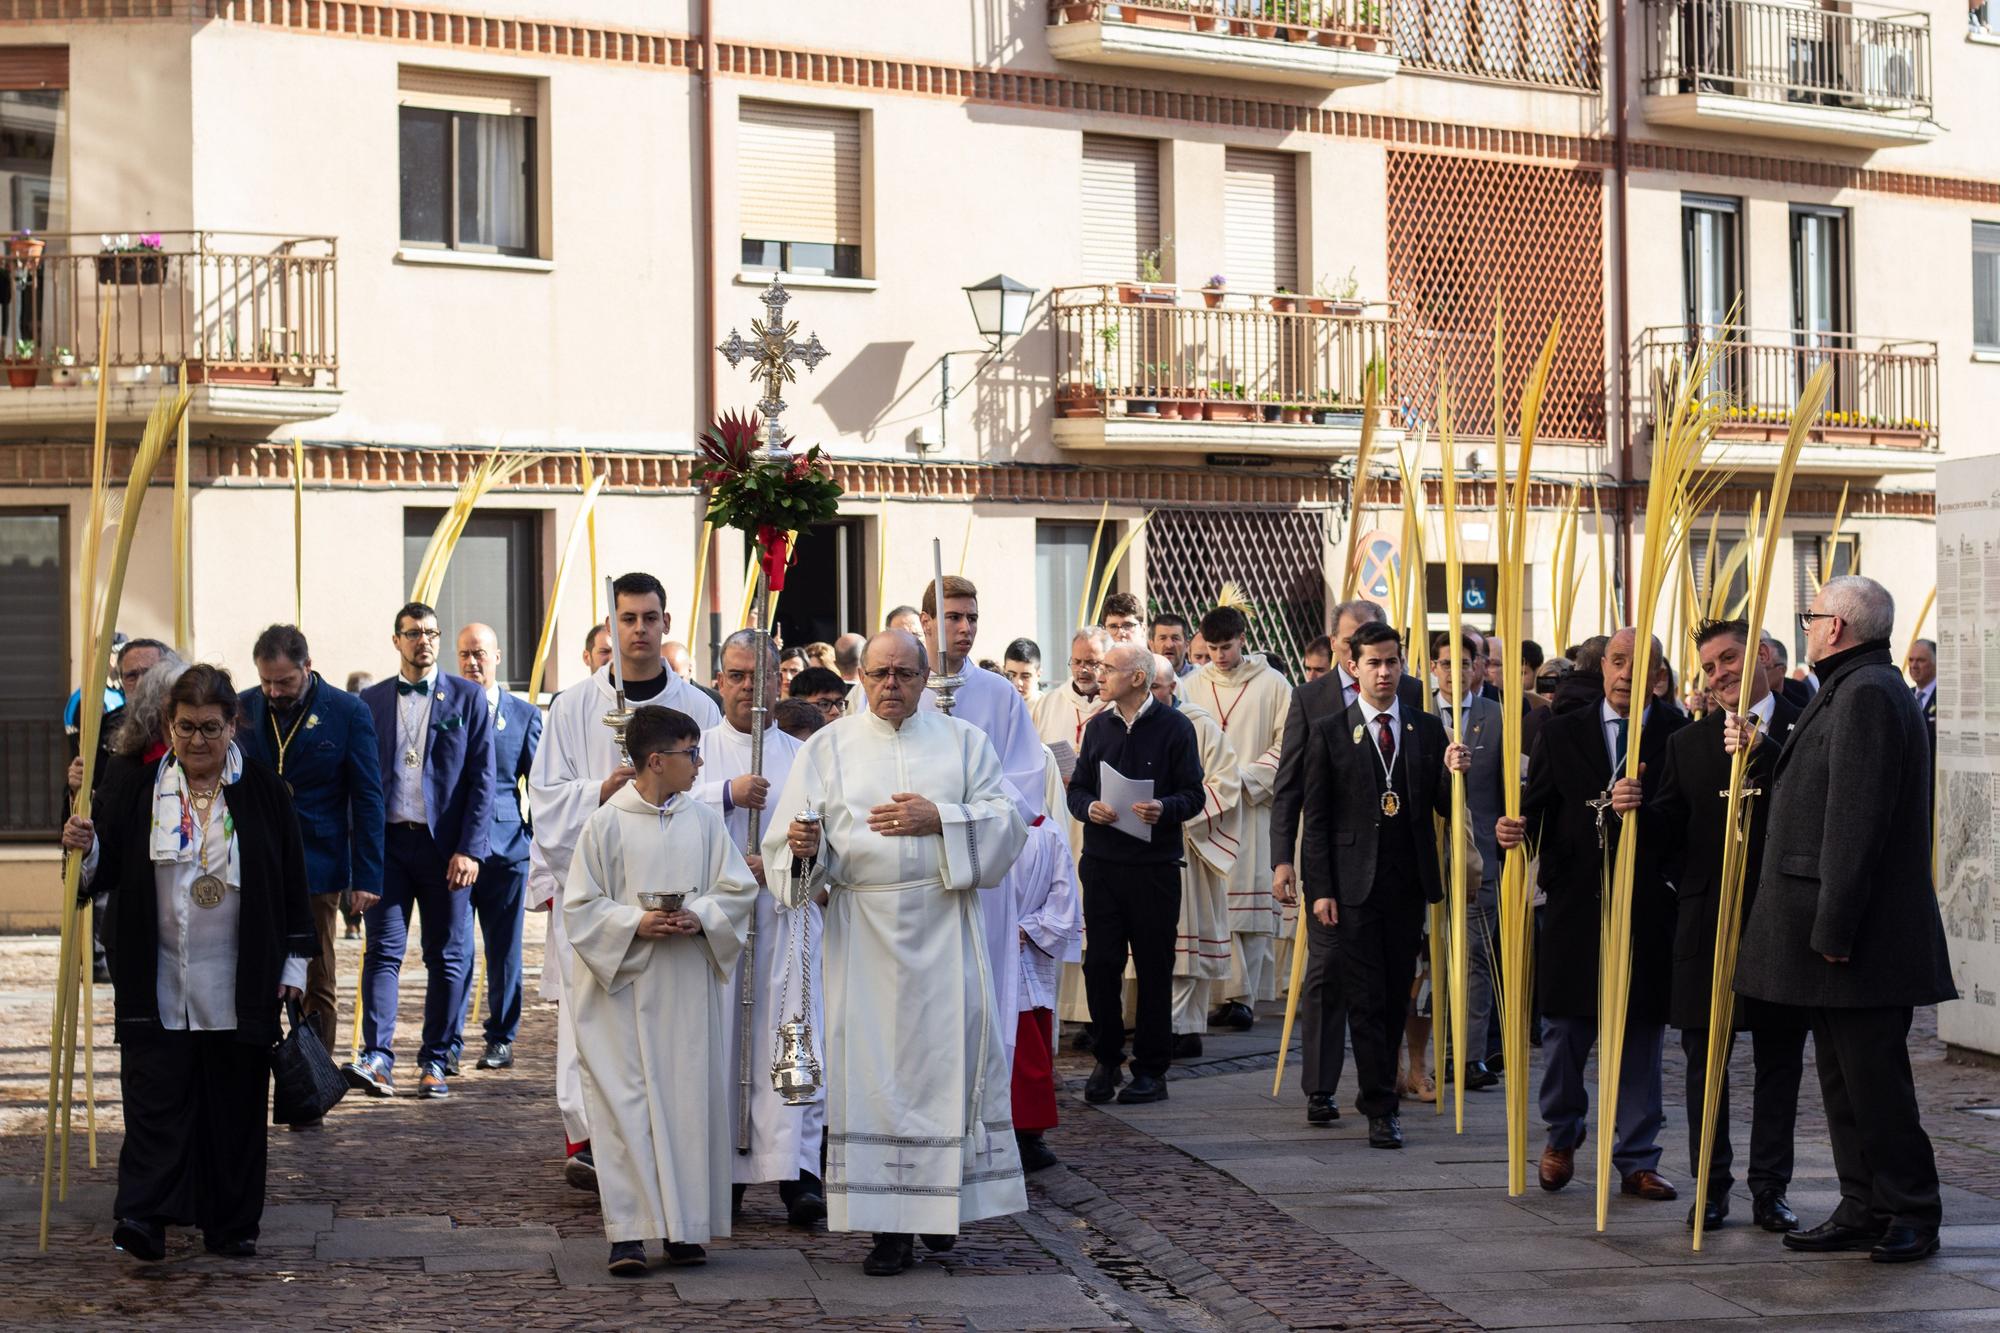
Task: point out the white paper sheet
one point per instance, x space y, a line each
1065 754
1121 794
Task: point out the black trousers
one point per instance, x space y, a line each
1322 1009
1880 1151
1135 909
195 1107
1778 1051
1378 960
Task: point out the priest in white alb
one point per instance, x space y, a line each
916 820
576 769
649 999
1248 700
783 1140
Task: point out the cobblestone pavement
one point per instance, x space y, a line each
1219 1209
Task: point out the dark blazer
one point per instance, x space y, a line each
1485 782
1342 806
1684 816
458 763
275 924
1847 861
1310 702
1797 693
334 773
517 734
1570 766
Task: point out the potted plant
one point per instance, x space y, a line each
22 372
1213 289
65 374
1147 291
1226 402
1078 13
1211 20
25 245
1264 19
1292 414
1283 302
1146 16
229 370
1368 18
1337 298
129 261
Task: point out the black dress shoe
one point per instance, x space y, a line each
939 1244
581 1171
685 1256
806 1208
1478 1076
1187 1046
1143 1088
141 1239
1902 1245
1083 1040
1495 1064
1713 1215
628 1259
1832 1235
1385 1131
1236 1016
240 1248
893 1253
1035 1154
1320 1109
1770 1211
1102 1083
499 1055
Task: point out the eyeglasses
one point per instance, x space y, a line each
1090 662
901 675
832 707
209 730
1806 619
415 635
693 755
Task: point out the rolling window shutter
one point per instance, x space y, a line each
1260 218
1121 205
24 68
800 173
465 90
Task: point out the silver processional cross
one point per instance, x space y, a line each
774 353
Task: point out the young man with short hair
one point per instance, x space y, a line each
1124 618
1022 666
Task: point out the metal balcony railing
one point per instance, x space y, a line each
1835 53
1884 391
1149 350
239 307
1363 24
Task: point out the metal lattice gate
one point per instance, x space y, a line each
1276 556
1468 236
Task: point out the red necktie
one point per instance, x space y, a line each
1385 740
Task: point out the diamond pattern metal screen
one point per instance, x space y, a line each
1273 555
1553 43
1469 236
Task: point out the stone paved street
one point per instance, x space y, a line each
1219 1209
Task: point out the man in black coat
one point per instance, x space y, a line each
1567 809
1846 920
1373 776
1687 815
1322 1002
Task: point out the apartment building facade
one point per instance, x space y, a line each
408 235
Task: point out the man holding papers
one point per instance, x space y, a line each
1137 780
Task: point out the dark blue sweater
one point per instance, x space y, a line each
1160 745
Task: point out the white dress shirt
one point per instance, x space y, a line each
413 730
1394 712
1609 720
1924 693
1762 710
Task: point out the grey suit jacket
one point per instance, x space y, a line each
1484 796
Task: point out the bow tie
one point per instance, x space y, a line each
412 686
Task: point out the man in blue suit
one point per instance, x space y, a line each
436 740
321 741
499 895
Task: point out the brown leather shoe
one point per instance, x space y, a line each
1558 1165
1649 1184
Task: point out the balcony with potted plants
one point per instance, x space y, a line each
1880 416
1310 43
1214 370
250 320
1857 75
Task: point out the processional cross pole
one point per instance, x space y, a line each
774 353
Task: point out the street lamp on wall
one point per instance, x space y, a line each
1000 307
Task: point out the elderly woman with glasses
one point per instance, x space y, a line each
201 858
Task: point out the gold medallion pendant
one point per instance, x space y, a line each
208 891
1392 804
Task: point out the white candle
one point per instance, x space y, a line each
611 628
937 602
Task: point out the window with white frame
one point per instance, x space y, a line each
1986 286
467 161
799 169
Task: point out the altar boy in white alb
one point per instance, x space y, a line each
649 999
916 819
784 1140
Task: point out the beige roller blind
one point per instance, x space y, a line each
1260 217
799 168
1121 205
466 90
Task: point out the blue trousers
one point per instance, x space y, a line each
413 868
500 901
1566 1044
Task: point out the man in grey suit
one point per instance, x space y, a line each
1845 924
1484 802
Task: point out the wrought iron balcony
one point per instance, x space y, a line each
1880 415
251 320
1317 43
1154 368
1858 74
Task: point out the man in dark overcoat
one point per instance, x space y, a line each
1846 922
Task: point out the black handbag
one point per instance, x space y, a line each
305 1084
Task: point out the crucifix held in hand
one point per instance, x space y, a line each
1601 804
1743 809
